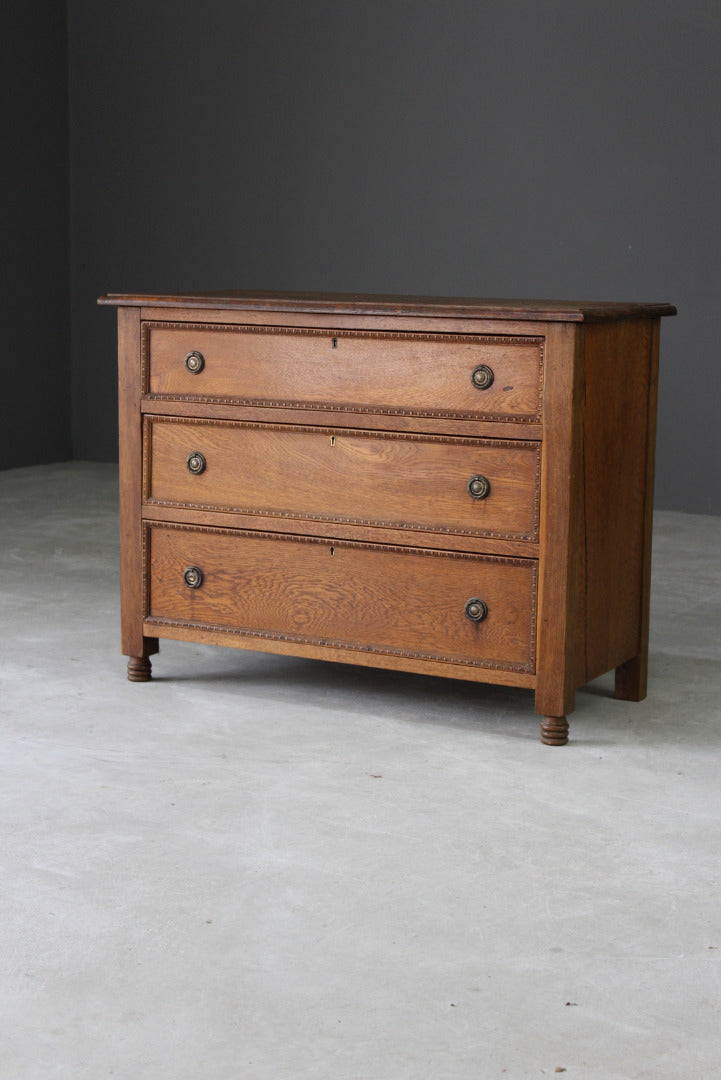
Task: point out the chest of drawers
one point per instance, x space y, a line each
451 487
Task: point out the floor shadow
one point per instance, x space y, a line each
683 703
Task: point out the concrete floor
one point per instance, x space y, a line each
268 868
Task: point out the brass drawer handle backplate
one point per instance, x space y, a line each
193 577
195 463
195 362
476 610
482 377
479 487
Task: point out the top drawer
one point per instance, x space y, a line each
465 376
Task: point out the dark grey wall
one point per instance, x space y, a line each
35 422
566 149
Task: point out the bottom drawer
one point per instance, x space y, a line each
364 597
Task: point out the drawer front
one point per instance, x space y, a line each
468 376
372 598
476 487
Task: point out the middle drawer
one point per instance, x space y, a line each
475 487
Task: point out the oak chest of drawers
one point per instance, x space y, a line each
455 487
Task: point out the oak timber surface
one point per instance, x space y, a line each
370 304
419 374
358 596
336 474
301 473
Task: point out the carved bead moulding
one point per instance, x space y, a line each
532 341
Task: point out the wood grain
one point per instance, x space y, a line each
333 520
356 320
336 530
349 596
339 475
308 415
370 303
417 374
615 468
133 642
561 521
331 654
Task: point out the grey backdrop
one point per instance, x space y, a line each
563 149
35 373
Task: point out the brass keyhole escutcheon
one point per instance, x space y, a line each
479 487
196 463
193 577
482 377
195 362
476 610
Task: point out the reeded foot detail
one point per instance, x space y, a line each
139 669
554 730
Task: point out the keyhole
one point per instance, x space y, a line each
332 440
335 342
332 552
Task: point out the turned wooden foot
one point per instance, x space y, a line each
554 730
139 669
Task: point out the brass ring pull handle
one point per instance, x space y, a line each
195 362
195 463
476 610
479 487
193 577
482 377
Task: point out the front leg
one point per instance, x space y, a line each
139 669
554 730
139 666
